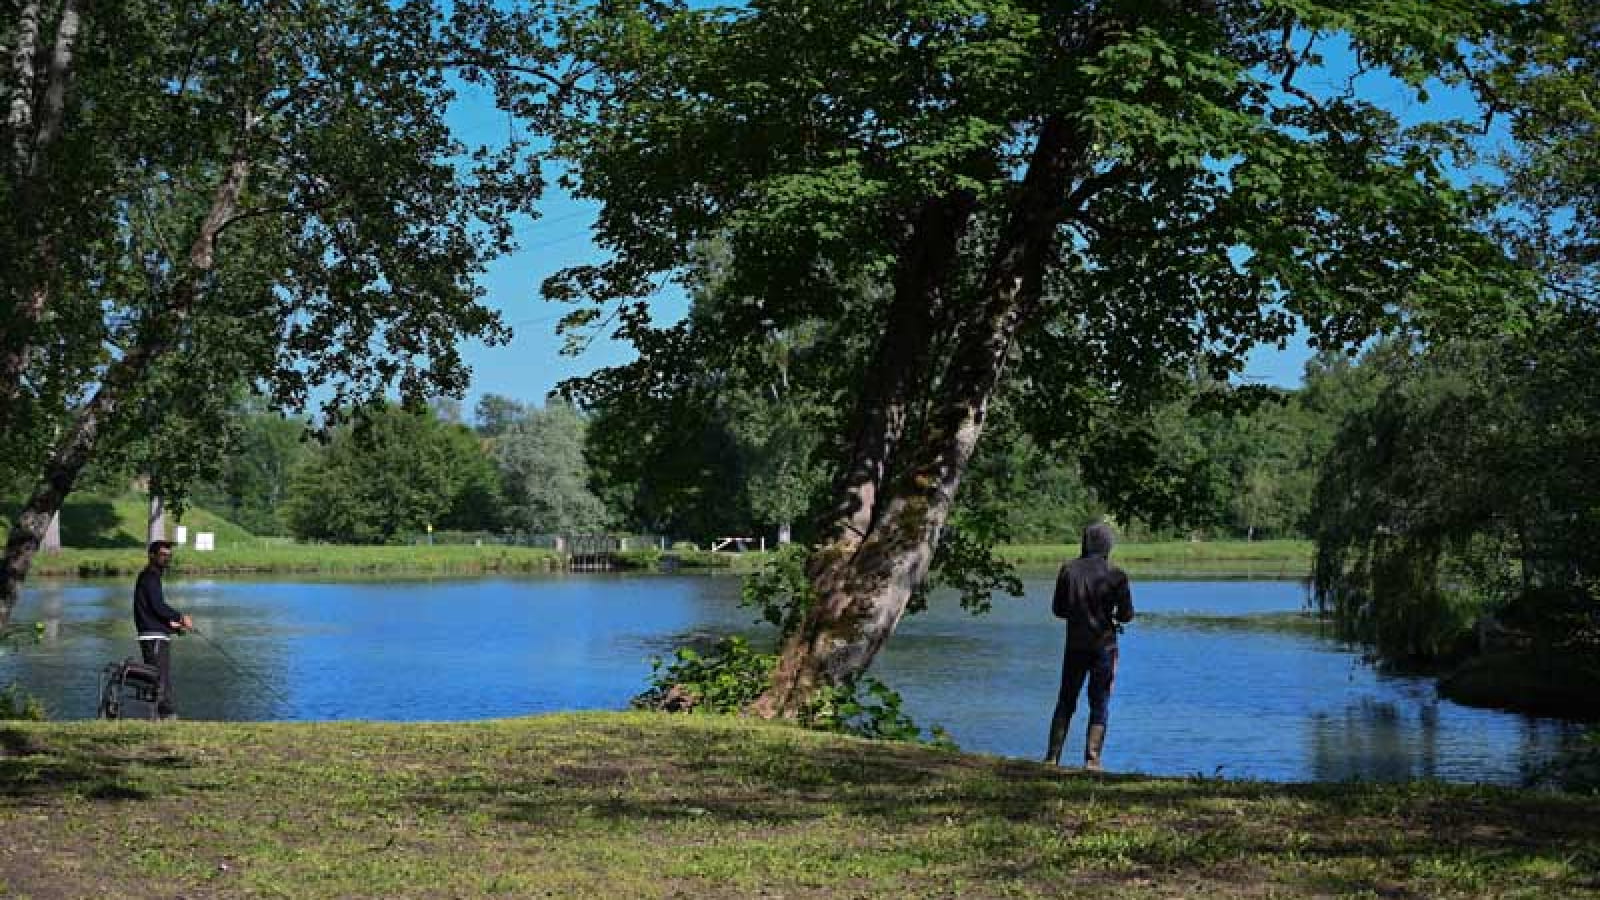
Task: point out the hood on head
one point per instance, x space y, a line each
1097 540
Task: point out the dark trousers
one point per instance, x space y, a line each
1099 667
159 654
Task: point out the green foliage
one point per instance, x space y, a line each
251 485
729 677
494 414
18 705
1467 488
776 160
866 707
733 447
725 679
391 475
545 476
780 591
1578 767
238 198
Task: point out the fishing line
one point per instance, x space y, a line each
240 667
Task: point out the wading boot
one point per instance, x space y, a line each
1058 738
1093 747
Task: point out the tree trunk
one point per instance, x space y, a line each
861 583
33 136
897 374
71 454
52 535
24 70
77 445
156 527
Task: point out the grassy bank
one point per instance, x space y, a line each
1261 559
1220 559
97 522
1250 559
313 559
639 805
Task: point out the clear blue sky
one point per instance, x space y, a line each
532 364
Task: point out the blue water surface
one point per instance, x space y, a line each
1202 688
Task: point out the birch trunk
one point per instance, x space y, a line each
156 526
33 139
24 71
862 584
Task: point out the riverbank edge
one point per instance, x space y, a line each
1535 683
1218 559
304 559
647 805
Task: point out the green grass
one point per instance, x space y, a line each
318 559
1216 559
104 537
642 805
1252 559
89 521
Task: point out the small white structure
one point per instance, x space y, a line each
180 535
205 540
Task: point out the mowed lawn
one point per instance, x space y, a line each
647 805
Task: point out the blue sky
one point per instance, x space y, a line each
532 364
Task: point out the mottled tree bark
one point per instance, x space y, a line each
34 123
24 70
862 578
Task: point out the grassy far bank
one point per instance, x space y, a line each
643 805
1251 559
326 559
1277 559
1261 559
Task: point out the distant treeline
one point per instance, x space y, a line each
390 473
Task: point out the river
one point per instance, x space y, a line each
1211 683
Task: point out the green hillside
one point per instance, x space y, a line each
97 522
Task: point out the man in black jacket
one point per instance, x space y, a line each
157 622
1093 596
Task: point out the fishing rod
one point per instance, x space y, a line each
238 666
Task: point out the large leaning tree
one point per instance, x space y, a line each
1064 203
207 194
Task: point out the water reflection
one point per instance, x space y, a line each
1200 690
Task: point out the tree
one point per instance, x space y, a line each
1468 488
1467 485
390 475
541 462
270 185
494 414
734 445
1064 199
252 484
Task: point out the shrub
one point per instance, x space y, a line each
16 704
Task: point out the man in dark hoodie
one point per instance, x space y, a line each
1093 596
157 622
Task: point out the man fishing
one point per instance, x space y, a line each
157 622
1093 596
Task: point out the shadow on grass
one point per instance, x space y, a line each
1016 819
767 796
97 768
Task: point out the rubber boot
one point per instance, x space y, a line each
1093 747
1058 738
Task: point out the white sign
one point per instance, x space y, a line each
182 535
205 540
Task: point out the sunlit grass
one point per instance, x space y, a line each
639 805
284 558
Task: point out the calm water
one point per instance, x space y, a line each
1192 696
